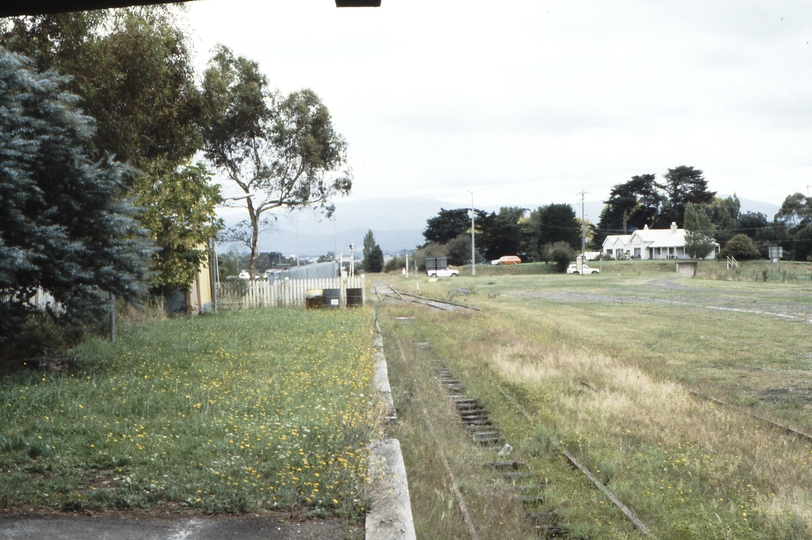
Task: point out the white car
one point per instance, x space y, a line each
443 272
573 269
245 275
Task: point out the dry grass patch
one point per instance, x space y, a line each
688 468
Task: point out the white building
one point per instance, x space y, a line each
615 245
648 243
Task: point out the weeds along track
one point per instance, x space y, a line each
787 429
385 290
517 479
476 420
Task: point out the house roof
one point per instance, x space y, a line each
660 238
614 239
670 237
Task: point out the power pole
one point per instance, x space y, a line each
473 239
583 193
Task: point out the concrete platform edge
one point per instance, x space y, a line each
391 513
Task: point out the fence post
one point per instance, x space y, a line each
112 318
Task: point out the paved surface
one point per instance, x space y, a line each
270 526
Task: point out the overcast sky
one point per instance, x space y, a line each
532 101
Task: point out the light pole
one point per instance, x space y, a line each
473 240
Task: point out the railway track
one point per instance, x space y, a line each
384 290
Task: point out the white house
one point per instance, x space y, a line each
648 243
615 245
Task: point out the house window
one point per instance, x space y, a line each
636 253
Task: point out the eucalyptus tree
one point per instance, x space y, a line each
282 152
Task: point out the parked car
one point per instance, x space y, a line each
507 259
573 269
245 275
443 272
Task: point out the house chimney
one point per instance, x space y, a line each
673 227
645 227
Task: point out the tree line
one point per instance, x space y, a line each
680 196
510 231
100 190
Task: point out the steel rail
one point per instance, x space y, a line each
789 429
454 486
612 497
426 300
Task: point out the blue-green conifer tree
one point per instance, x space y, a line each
65 225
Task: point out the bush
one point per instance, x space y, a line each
741 247
394 264
561 258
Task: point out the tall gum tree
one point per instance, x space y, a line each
281 151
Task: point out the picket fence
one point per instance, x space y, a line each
281 293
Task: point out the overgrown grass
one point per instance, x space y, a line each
687 467
225 413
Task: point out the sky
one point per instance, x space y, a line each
523 102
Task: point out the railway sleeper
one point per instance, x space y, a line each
483 422
463 408
487 443
502 465
471 418
468 407
487 438
483 429
474 416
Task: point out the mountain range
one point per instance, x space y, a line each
397 224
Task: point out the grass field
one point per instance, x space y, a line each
227 413
604 363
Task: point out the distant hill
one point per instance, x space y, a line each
396 223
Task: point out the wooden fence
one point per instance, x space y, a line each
244 294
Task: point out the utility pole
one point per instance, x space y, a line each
582 193
473 239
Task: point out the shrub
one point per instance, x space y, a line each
740 247
561 258
395 263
